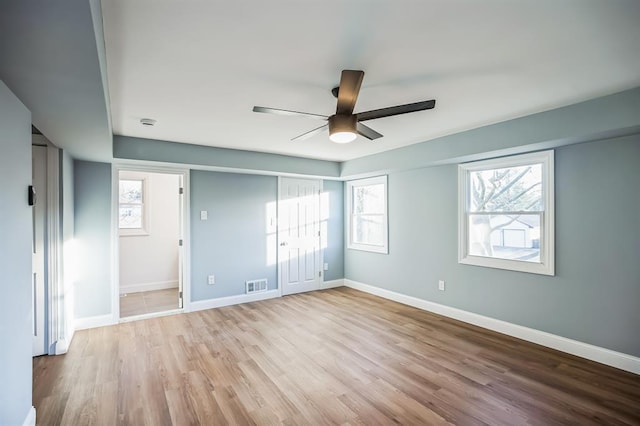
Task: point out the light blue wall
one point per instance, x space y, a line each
52 57
68 255
234 244
66 196
15 259
172 152
92 230
605 117
334 251
238 241
595 295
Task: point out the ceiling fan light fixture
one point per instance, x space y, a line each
342 128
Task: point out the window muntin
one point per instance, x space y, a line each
367 207
506 213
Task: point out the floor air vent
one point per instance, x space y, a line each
256 286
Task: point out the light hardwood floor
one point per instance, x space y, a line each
147 302
330 357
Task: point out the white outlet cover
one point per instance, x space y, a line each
326 266
204 215
441 285
211 279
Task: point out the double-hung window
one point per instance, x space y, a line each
367 227
132 210
506 213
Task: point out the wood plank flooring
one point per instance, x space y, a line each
147 302
338 356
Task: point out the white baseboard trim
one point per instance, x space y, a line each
585 350
201 305
140 287
93 322
30 420
60 347
332 284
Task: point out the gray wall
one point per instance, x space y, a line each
92 231
334 251
594 296
66 196
233 244
232 159
52 57
605 117
238 241
67 218
15 259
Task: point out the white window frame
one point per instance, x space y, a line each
546 266
144 230
351 185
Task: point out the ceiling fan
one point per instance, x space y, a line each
344 125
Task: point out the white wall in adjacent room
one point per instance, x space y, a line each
149 262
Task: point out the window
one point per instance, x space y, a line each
132 214
506 217
367 206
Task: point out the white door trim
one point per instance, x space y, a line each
115 241
322 236
59 320
60 326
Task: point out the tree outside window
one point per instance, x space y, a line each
507 212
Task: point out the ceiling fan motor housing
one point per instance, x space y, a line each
340 123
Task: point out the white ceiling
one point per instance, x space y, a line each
199 66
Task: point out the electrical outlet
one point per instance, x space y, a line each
204 215
441 285
211 279
326 267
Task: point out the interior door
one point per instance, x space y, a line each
39 212
299 235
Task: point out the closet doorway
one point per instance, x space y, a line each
151 245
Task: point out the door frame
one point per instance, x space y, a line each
59 317
60 310
116 168
322 236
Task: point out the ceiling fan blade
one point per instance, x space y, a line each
286 112
310 133
395 110
350 82
367 132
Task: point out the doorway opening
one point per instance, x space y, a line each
151 229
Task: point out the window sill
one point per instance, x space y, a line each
510 265
369 248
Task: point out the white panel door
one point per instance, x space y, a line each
299 235
39 211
